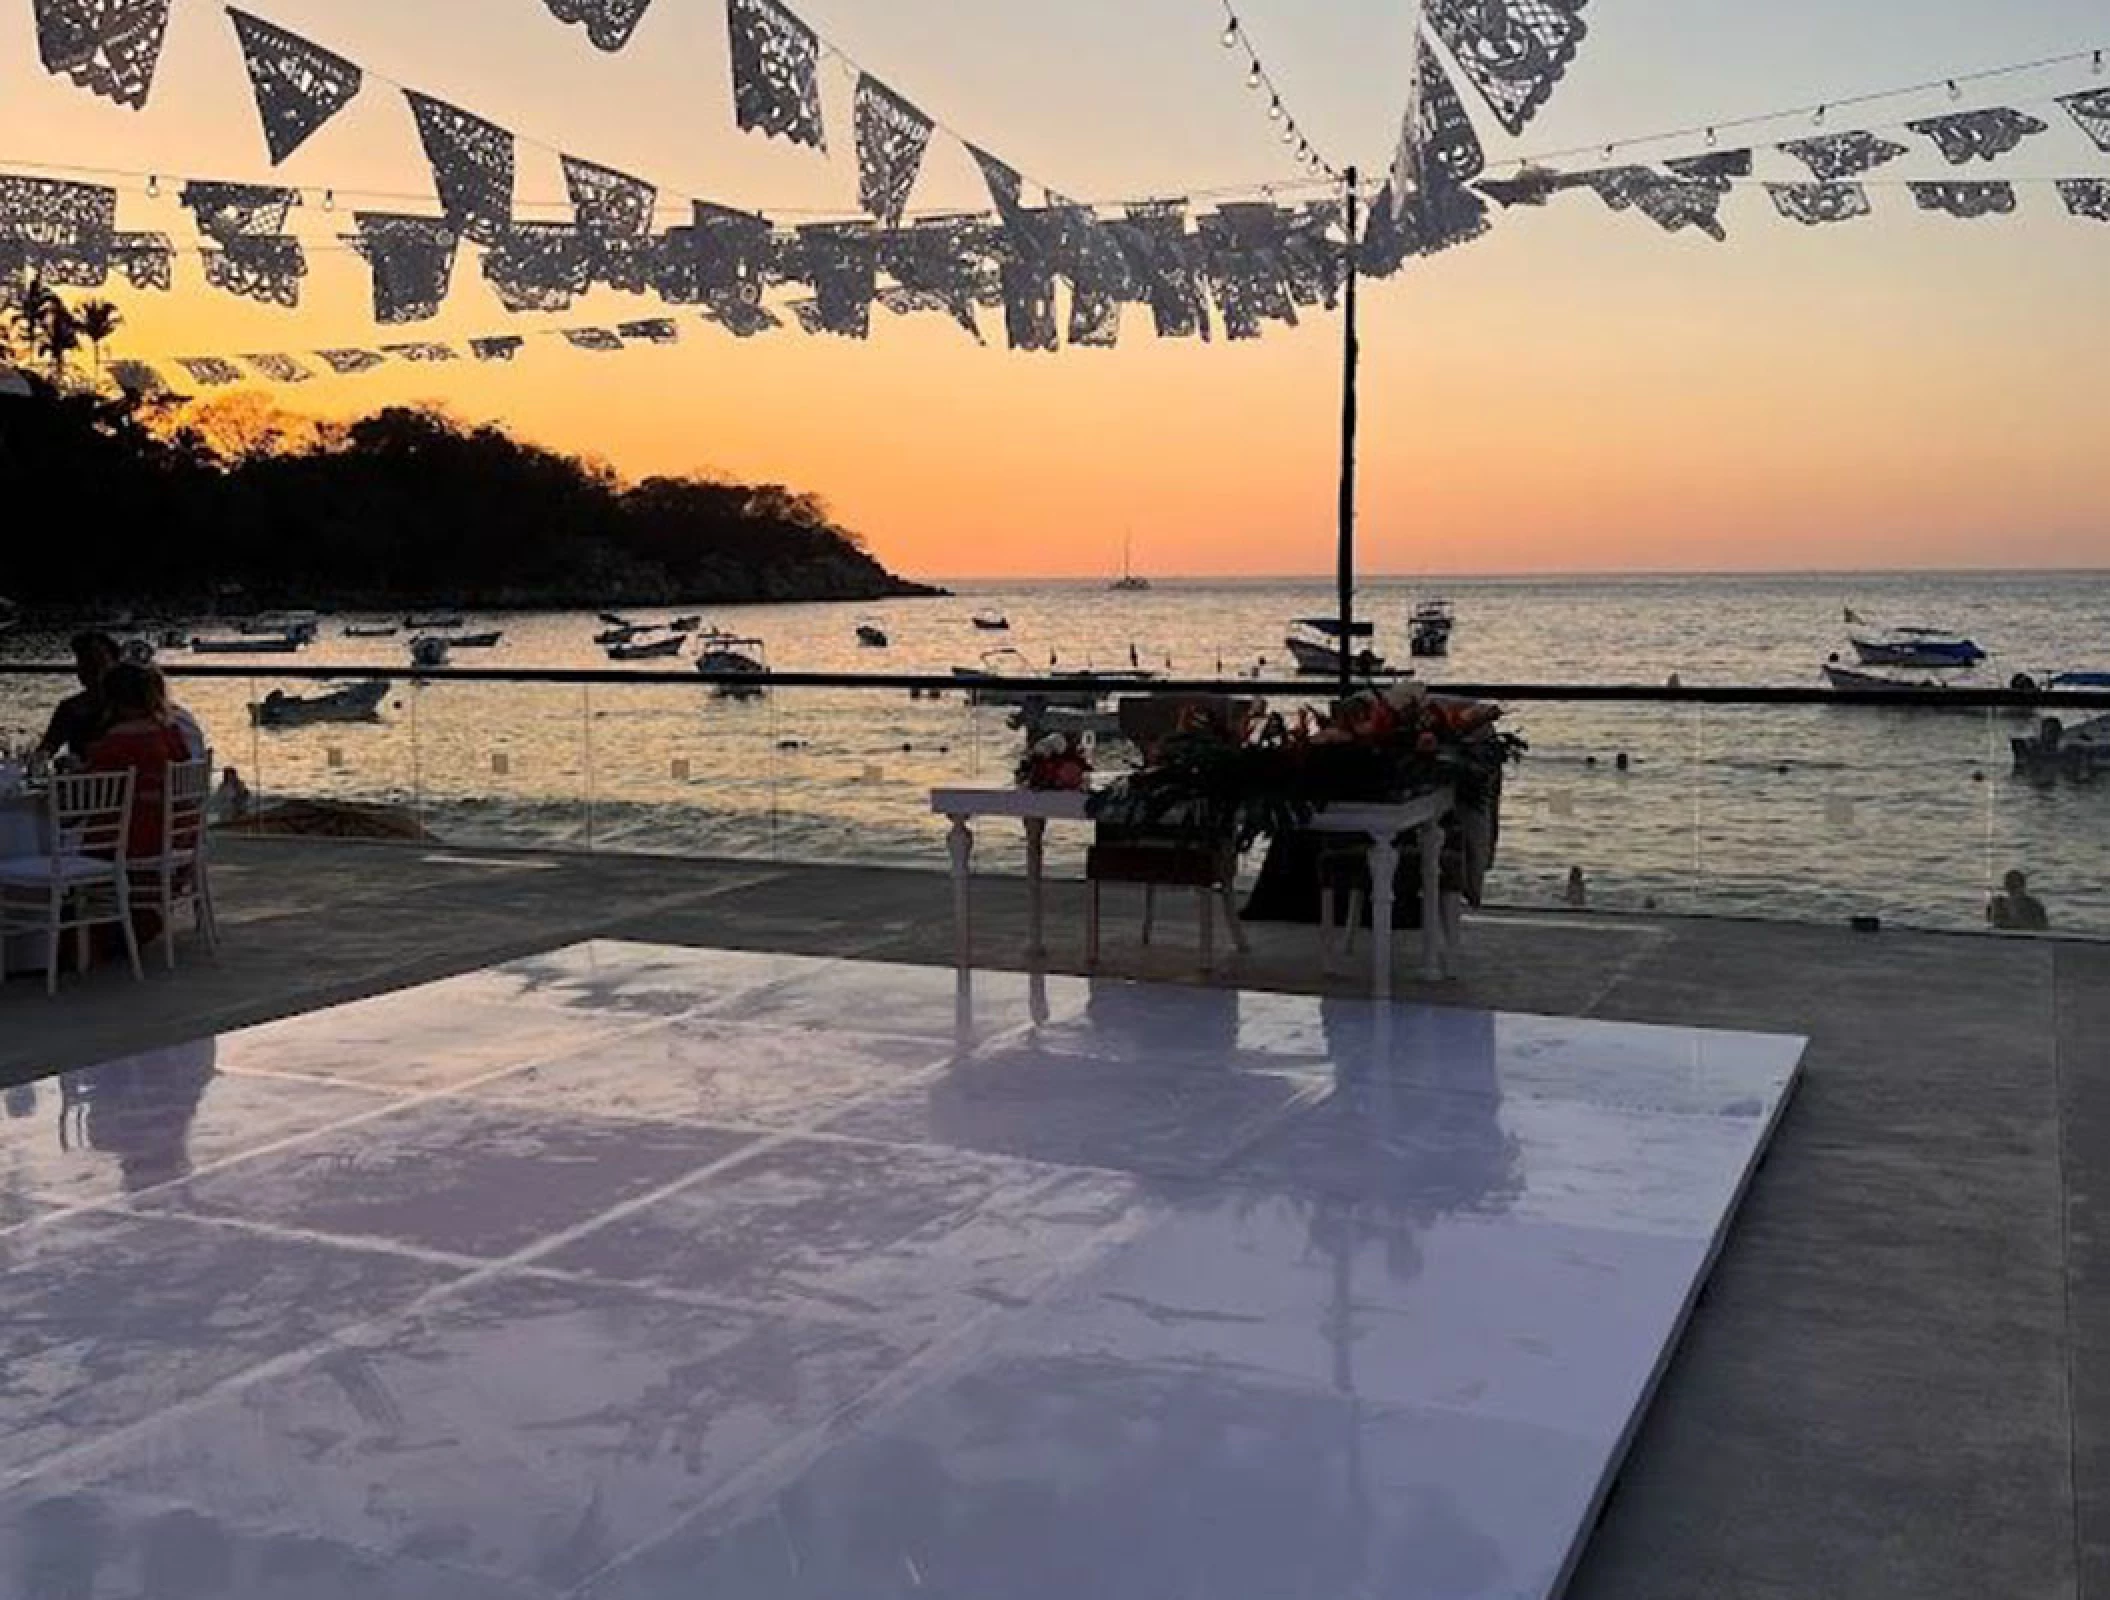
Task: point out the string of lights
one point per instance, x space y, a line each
1258 79
1818 112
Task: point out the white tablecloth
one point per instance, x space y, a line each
22 834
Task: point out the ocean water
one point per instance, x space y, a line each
1814 813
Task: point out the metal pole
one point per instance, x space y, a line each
1351 358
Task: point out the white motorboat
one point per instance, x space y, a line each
1859 682
354 702
621 633
1916 647
477 641
687 624
988 685
434 620
731 662
647 649
300 625
372 630
992 621
1429 628
1315 645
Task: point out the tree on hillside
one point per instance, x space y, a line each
46 325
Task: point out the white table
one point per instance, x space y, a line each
1381 827
22 834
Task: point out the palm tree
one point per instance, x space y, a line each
47 323
96 321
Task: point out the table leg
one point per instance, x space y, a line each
1384 862
1433 940
961 844
1036 858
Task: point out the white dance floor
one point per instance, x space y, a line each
636 1272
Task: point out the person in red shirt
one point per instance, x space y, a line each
141 741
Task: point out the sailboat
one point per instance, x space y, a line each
1129 582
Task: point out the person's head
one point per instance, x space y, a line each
129 693
158 686
94 653
2016 882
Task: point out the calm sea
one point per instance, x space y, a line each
1819 813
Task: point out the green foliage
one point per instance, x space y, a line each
120 499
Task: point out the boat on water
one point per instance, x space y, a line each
353 702
2055 750
301 625
615 619
257 644
477 641
989 685
688 624
372 630
621 633
1129 582
434 619
2030 683
429 650
872 635
1315 644
992 622
647 649
1916 647
1858 682
731 662
1429 628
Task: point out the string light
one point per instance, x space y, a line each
1236 37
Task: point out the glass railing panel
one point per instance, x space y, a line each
500 764
1825 813
1599 814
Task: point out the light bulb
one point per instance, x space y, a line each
1252 78
153 185
1289 134
1710 138
1819 117
1231 34
1274 110
1954 92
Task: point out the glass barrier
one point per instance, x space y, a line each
1803 812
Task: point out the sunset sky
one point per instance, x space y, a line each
1577 391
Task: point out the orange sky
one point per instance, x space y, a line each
1578 391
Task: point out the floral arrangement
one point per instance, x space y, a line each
1055 761
1270 775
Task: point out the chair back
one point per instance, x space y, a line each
1148 720
91 814
185 794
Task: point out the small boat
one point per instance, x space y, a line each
372 630
172 639
648 649
623 633
992 622
301 625
1917 647
429 650
688 624
871 635
2055 750
260 644
1429 629
730 662
355 702
1128 582
1315 644
616 619
433 619
2029 683
1878 683
477 641
989 685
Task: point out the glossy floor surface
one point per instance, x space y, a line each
639 1272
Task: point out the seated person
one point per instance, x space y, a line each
137 740
81 718
179 717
